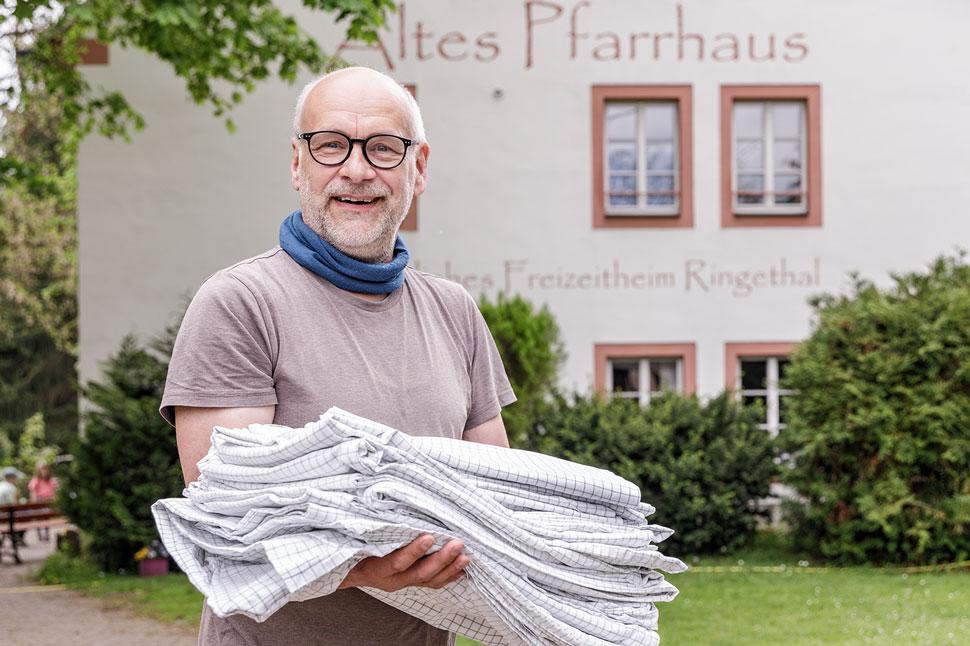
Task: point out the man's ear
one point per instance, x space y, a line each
421 166
295 164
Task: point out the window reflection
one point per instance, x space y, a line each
642 143
768 154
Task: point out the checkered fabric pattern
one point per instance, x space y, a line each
561 553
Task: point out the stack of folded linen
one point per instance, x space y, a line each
561 553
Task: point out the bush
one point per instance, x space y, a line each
880 430
699 464
126 458
63 569
532 352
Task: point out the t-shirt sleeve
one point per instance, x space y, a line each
223 354
490 385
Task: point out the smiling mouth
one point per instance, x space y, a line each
357 201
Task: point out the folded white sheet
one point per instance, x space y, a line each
561 553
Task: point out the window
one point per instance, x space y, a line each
769 146
760 379
93 52
640 371
755 372
770 156
640 379
641 156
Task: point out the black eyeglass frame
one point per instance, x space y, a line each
350 149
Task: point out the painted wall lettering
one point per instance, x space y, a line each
696 276
575 32
544 20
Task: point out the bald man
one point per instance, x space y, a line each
334 316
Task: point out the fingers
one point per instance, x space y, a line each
411 566
450 573
401 559
433 565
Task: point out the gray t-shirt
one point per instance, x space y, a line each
268 332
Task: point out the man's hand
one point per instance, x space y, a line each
408 566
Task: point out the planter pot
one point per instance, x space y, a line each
153 567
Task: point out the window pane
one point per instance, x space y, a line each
754 374
660 183
748 119
663 376
788 154
751 183
788 183
661 120
623 157
626 375
623 183
787 119
621 121
660 190
620 184
660 157
750 154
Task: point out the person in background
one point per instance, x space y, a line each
42 488
8 488
9 495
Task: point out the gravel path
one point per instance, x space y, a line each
53 616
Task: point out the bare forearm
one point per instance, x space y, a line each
193 430
490 432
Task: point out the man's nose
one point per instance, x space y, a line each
356 168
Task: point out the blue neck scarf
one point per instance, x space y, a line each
322 258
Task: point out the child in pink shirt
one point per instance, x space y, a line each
42 488
43 485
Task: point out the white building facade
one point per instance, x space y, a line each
673 179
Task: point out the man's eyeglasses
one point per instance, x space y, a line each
332 148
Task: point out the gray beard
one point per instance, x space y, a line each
372 248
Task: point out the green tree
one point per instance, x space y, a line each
222 49
880 430
127 458
31 446
531 350
38 280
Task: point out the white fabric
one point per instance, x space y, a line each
561 553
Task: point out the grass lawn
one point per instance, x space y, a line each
723 601
735 600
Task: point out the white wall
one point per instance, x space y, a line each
510 176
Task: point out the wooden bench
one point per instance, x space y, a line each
20 518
